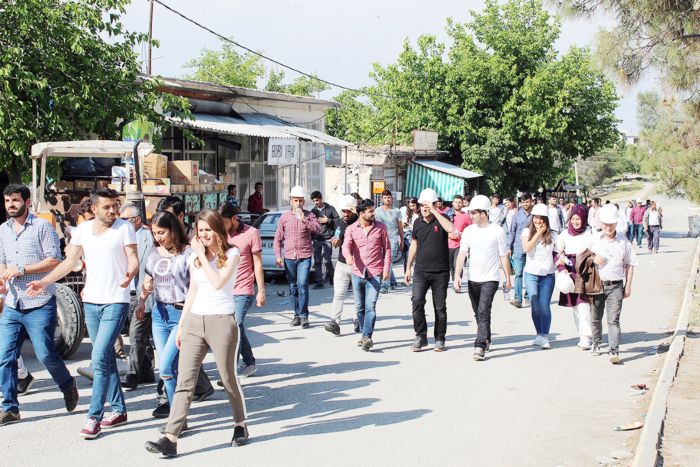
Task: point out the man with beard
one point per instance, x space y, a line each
108 245
29 248
342 275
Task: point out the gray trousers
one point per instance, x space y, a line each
341 278
610 299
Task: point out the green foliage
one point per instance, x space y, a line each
498 95
68 71
611 164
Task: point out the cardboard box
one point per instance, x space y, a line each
183 172
84 184
155 166
65 186
206 179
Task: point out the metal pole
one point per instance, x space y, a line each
345 188
578 192
137 196
149 66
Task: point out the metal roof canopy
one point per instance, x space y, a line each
91 148
257 125
448 169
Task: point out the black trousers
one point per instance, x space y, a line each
453 259
140 349
437 283
481 295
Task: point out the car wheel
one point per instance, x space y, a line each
70 326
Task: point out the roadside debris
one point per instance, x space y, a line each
629 426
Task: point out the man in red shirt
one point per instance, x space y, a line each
250 270
295 229
637 218
255 201
367 250
461 221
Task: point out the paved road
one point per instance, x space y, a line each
319 400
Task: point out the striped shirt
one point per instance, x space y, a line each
296 235
36 242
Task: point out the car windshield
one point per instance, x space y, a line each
267 224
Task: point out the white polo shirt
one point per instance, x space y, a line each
618 254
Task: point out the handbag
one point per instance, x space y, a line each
564 282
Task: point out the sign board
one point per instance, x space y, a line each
377 173
377 187
334 155
283 151
390 173
425 140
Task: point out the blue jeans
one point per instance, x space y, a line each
39 324
243 304
165 319
518 260
638 234
366 293
630 232
540 289
298 277
103 324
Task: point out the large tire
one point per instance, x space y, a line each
71 321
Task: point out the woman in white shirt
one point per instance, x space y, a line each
207 321
538 243
574 240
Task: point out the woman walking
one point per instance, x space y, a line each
538 245
653 220
167 278
207 321
572 241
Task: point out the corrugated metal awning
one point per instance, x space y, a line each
258 125
447 180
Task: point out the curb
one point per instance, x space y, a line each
647 452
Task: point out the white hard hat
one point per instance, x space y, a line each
608 214
427 196
639 200
297 192
540 210
480 203
348 202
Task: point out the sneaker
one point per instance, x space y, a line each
333 328
614 357
360 342
545 343
488 346
356 325
205 396
384 290
305 323
8 417
92 429
164 427
130 382
71 396
538 341
162 411
367 343
584 343
595 350
163 446
393 286
296 321
516 303
418 344
23 384
478 354
240 435
86 372
439 346
113 420
247 371
318 285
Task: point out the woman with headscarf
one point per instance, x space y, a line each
575 239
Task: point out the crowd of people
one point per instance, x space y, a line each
190 291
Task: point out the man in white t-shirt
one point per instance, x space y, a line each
485 244
616 261
108 245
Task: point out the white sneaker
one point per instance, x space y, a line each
585 343
123 366
538 341
545 343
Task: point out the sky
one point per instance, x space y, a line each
337 40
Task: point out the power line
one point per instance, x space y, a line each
277 62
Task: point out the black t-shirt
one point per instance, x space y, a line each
433 254
342 225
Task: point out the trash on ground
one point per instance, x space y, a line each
281 293
641 387
621 454
629 426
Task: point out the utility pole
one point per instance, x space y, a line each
149 66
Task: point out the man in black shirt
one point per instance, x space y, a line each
342 275
429 250
328 217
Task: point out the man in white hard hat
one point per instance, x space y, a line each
342 274
616 261
485 244
430 251
296 229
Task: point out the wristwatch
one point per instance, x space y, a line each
20 269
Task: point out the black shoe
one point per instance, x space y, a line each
24 384
240 435
356 325
162 411
8 417
163 446
148 379
71 397
219 383
333 328
130 382
305 323
318 285
206 395
296 321
184 428
418 343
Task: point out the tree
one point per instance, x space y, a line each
501 100
68 71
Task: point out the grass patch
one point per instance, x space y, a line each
624 190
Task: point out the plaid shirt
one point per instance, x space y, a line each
36 242
370 249
296 235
